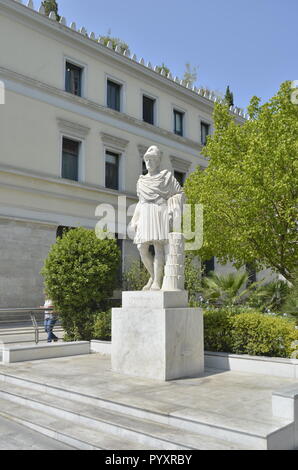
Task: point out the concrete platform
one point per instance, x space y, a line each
16 353
221 410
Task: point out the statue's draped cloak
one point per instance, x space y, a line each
158 195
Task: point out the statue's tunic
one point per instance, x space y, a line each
158 195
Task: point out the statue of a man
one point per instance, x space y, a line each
160 203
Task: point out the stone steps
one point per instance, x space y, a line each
79 437
85 422
9 318
203 428
26 335
23 330
23 338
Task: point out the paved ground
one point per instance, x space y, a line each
16 437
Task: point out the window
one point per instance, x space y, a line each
112 170
148 109
208 266
113 95
70 159
73 79
180 177
205 131
178 122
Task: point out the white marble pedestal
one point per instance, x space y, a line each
155 335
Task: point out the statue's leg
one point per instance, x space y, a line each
147 260
159 263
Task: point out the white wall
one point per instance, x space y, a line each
23 247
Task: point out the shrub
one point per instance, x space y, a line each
262 335
241 331
217 330
80 275
193 276
136 277
102 326
269 297
291 302
226 289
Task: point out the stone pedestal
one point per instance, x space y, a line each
155 335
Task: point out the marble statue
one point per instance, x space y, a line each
155 221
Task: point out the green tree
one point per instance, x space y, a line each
161 67
80 275
115 41
190 74
250 189
229 97
51 5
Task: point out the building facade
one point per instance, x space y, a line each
76 119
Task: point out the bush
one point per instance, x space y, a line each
225 290
80 275
102 326
250 333
136 277
193 276
263 335
291 303
269 297
217 327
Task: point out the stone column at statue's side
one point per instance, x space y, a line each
155 222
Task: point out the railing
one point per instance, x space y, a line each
30 313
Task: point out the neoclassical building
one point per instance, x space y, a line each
75 121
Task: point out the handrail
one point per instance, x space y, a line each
35 325
23 309
31 312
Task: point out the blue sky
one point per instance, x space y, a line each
250 45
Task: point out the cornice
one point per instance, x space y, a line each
72 37
57 92
26 220
75 185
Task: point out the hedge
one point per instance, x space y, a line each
252 333
102 326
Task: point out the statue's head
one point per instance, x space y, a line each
152 158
